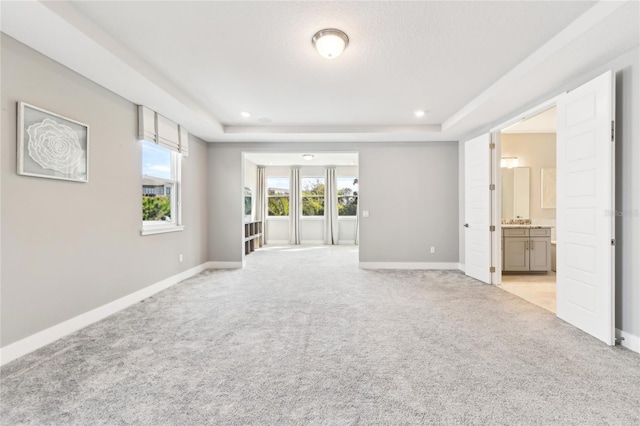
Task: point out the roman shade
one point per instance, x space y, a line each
158 129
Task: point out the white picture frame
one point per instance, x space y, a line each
51 146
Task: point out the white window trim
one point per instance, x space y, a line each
278 196
312 218
160 227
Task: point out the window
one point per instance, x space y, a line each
160 189
312 196
278 196
347 196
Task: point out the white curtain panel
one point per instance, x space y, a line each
294 206
261 205
331 206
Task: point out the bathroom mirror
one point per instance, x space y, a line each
515 193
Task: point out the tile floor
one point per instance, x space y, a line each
539 289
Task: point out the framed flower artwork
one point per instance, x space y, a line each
51 146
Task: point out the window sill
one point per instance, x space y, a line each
160 229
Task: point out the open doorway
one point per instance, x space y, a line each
528 208
585 199
305 199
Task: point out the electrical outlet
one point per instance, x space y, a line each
365 213
433 250
180 258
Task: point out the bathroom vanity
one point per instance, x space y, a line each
526 248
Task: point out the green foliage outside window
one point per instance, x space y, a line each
278 196
313 192
348 201
347 205
156 207
278 205
313 197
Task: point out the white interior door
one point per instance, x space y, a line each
585 202
477 208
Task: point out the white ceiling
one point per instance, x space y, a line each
295 158
202 63
545 122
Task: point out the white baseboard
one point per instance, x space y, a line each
225 265
461 266
346 242
278 242
631 341
312 242
42 338
409 265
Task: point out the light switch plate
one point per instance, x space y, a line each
365 213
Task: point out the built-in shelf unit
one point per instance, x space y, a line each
252 236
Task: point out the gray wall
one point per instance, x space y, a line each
68 247
410 190
627 70
628 192
226 202
461 245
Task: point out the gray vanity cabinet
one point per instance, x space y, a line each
526 249
516 254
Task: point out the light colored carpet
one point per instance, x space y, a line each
302 336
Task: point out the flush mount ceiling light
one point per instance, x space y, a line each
330 42
308 157
418 113
245 114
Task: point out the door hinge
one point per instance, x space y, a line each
492 145
492 228
613 131
613 242
492 269
492 187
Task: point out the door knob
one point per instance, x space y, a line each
466 225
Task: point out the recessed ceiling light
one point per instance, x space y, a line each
245 114
353 163
418 113
308 157
330 42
